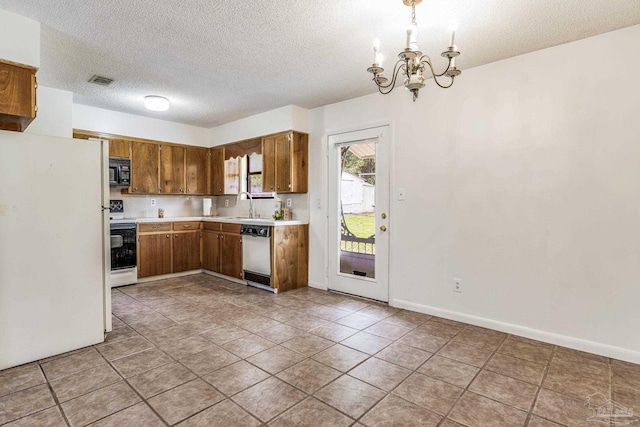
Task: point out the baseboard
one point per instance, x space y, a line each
523 331
170 276
317 285
189 273
222 276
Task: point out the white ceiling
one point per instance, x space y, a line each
222 60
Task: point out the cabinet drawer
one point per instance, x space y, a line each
231 228
186 226
151 227
211 226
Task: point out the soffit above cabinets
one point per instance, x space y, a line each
219 61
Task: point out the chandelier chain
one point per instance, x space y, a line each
413 14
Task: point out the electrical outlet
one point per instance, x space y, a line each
153 202
319 203
288 203
226 203
457 285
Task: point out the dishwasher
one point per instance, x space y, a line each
256 255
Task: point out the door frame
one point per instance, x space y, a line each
325 194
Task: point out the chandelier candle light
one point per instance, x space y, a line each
412 62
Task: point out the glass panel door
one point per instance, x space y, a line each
358 219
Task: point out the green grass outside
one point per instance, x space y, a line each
362 225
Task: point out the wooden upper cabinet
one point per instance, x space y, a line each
145 168
17 96
120 148
216 167
269 163
285 163
172 169
196 170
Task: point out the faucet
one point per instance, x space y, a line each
250 201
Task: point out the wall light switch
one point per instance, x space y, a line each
319 203
153 202
401 195
226 203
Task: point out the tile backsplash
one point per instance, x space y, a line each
187 206
263 207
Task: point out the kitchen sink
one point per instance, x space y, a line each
246 218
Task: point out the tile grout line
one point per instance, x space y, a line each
412 371
446 416
530 414
304 307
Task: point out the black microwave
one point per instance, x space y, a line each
119 172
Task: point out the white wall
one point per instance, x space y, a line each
528 189
54 115
274 121
19 39
100 120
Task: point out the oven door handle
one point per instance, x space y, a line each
116 241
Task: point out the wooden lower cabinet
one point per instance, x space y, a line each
154 254
165 248
222 249
290 257
231 255
211 251
186 251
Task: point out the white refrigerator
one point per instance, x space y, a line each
54 255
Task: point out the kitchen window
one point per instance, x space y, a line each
251 179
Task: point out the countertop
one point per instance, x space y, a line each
232 220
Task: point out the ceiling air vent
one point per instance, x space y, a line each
99 80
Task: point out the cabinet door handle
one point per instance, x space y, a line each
155 227
187 225
167 236
135 188
181 190
188 190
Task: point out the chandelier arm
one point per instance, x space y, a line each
396 69
391 85
435 77
428 61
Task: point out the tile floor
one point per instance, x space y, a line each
202 351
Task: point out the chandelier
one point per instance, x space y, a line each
412 62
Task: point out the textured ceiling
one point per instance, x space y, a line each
219 61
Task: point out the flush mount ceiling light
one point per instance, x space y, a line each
412 62
156 103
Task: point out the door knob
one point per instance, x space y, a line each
383 228
383 216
